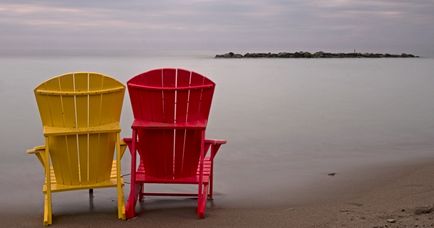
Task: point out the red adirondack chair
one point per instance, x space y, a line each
171 108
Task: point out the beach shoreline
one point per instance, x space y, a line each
377 197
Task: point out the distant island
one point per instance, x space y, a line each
319 54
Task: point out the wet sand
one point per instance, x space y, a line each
379 197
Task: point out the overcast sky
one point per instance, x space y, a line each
116 26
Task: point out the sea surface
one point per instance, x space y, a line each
288 122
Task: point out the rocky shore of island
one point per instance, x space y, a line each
319 54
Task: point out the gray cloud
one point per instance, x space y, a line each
244 25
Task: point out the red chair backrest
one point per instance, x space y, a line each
171 96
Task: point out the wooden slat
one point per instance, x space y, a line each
168 88
192 151
105 155
56 186
110 114
79 93
73 162
162 125
113 127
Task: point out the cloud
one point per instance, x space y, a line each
394 25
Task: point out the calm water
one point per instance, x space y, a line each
289 122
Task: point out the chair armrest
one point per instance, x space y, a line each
215 146
38 151
123 147
129 143
215 141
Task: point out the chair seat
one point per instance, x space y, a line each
56 187
142 177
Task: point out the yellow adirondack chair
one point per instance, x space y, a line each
80 114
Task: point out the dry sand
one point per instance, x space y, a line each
387 200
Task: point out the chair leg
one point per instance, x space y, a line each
90 191
121 203
119 185
132 200
48 217
134 186
142 191
201 202
210 194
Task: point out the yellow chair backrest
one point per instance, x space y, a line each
80 113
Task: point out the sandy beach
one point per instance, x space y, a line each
398 196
